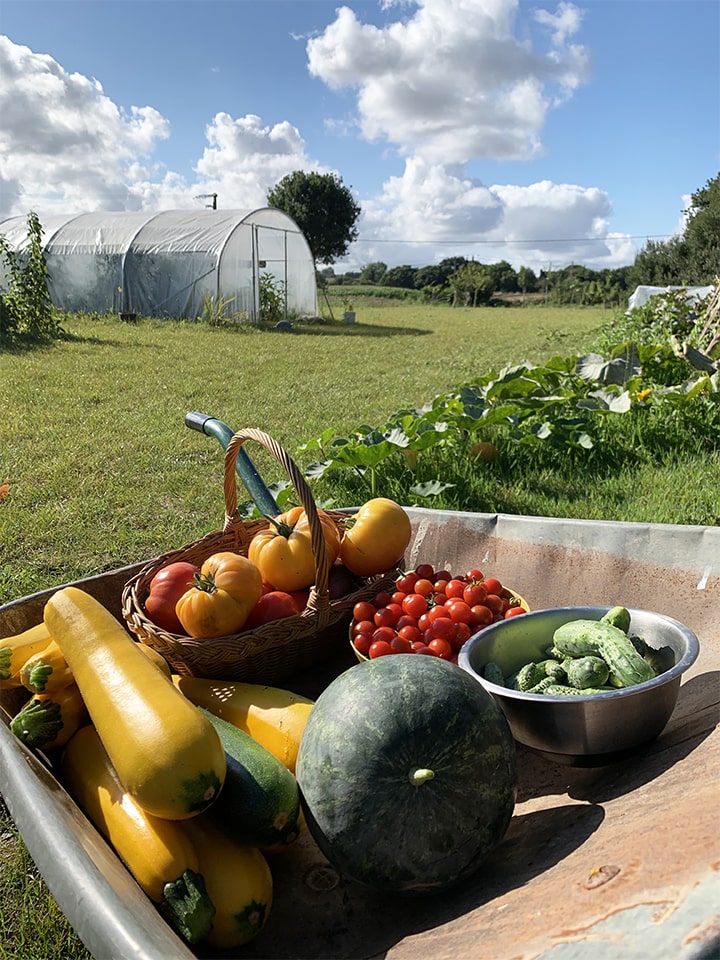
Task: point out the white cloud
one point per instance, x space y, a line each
451 82
63 143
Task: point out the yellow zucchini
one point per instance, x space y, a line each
48 720
158 853
275 718
238 881
157 658
46 671
165 752
15 650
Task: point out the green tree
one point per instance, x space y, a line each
403 276
503 276
324 209
373 272
527 281
471 285
26 309
702 234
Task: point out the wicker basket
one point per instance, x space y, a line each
277 650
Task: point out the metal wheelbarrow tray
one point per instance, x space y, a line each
603 862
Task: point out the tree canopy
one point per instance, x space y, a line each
324 209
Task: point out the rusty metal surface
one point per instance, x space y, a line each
619 861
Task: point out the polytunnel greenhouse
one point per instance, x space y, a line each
168 264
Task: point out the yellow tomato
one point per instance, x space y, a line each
377 539
221 597
283 551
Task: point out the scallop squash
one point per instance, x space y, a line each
407 773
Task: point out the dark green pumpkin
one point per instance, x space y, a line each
407 773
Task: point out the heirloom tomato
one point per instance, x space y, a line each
275 605
221 597
284 551
166 588
377 538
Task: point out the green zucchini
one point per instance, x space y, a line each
579 637
259 804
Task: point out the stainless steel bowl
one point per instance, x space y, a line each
589 729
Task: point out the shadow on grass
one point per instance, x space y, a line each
353 330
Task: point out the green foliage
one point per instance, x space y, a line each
216 311
272 298
471 285
324 209
26 311
373 272
402 276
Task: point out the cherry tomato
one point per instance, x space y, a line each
460 612
443 628
426 650
493 585
398 597
409 633
441 648
382 599
362 643
474 593
407 582
415 605
494 603
439 587
480 615
514 612
383 634
380 648
462 634
474 575
424 587
438 612
416 647
363 610
400 645
406 621
425 571
443 575
388 616
363 626
454 588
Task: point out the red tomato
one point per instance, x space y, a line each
363 610
383 634
474 575
380 648
362 643
398 597
460 612
438 612
417 646
439 587
388 616
441 648
443 575
493 585
481 615
514 612
415 605
443 628
382 599
474 593
166 588
454 588
275 605
406 621
407 582
409 633
363 626
426 650
424 587
462 634
425 571
400 645
494 603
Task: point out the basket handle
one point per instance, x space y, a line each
301 488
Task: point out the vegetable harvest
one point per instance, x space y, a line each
166 754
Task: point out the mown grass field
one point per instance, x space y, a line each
101 471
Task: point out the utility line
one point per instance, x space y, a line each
494 243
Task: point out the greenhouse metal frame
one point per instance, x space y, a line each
172 263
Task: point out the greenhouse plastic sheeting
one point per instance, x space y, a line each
167 263
642 294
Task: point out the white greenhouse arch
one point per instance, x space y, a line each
165 263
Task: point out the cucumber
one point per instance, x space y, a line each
618 617
580 637
587 671
259 804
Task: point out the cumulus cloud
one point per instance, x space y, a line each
452 81
63 143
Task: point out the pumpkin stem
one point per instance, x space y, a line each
418 776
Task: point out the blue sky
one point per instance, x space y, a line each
539 133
